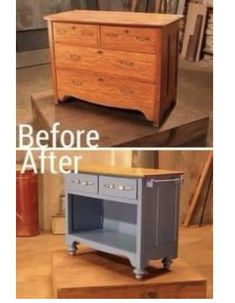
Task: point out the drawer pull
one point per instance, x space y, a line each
150 295
122 187
76 181
100 52
110 186
111 35
126 63
75 57
86 183
77 83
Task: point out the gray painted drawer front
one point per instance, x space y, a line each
83 183
118 187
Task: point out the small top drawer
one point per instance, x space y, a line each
82 183
129 38
74 33
118 187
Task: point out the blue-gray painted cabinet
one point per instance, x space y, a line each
131 212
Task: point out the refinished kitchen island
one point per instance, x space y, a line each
132 212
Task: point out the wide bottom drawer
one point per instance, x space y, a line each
106 90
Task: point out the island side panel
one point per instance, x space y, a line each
160 211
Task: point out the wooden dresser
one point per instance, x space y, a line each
118 59
132 212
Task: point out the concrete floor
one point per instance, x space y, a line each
33 256
195 83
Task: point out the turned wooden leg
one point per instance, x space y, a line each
139 273
167 263
72 247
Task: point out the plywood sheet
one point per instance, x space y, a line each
194 10
191 162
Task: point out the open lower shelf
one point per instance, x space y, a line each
108 238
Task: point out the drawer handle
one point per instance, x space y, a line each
122 187
76 181
87 183
100 52
75 57
150 295
77 83
111 35
126 63
109 186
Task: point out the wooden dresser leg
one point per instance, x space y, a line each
167 261
156 124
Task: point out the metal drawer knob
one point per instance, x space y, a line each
109 186
76 181
122 187
86 183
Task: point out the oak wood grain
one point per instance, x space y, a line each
127 171
81 34
135 66
117 18
118 65
101 88
52 59
127 38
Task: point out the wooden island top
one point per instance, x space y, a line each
116 17
127 171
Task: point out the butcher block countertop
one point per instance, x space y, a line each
117 18
127 171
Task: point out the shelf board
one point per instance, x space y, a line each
108 238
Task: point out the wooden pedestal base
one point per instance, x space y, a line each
184 127
92 274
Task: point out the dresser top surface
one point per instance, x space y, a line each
115 17
127 171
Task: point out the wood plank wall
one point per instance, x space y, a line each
191 162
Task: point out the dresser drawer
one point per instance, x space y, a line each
118 187
129 38
82 183
126 65
73 33
106 90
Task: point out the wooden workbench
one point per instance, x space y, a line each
184 127
93 274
